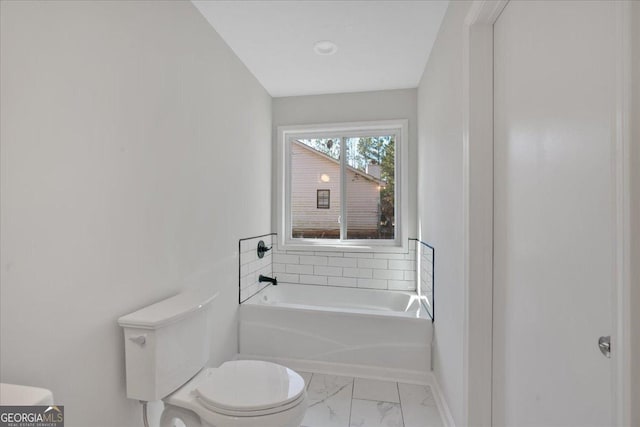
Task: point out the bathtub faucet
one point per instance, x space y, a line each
273 281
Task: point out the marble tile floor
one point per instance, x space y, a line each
336 401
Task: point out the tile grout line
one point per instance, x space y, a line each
400 400
352 398
306 390
375 400
330 396
310 378
353 386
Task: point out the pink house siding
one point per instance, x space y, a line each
362 205
307 168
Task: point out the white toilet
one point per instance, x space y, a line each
166 349
22 395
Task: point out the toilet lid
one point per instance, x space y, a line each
250 385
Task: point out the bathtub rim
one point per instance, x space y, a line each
404 315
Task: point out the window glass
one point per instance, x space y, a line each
342 185
370 178
315 180
323 199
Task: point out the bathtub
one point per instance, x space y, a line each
343 331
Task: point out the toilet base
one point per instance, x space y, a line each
171 413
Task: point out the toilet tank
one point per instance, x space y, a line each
166 344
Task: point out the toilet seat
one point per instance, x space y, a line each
243 393
262 412
249 387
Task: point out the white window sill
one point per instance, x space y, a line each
327 247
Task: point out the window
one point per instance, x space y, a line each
323 199
363 165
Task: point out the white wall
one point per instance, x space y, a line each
131 139
353 107
635 218
440 198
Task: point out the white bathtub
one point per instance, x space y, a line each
373 333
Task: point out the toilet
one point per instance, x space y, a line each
166 351
22 395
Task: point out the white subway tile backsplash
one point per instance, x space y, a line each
313 260
249 256
330 254
251 245
372 263
253 289
343 262
426 272
402 285
288 278
245 245
299 269
342 281
428 266
251 267
358 272
401 265
319 270
378 270
358 255
388 256
372 283
246 281
388 274
258 264
286 259
313 280
428 254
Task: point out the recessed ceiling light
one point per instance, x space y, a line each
325 47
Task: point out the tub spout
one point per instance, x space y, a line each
273 281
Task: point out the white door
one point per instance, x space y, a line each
554 74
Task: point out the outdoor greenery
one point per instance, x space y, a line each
380 150
387 194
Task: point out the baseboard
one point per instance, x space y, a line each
349 370
443 407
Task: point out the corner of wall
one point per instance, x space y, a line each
635 217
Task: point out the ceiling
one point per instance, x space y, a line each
381 44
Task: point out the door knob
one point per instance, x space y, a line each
604 343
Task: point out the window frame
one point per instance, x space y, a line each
318 198
398 128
